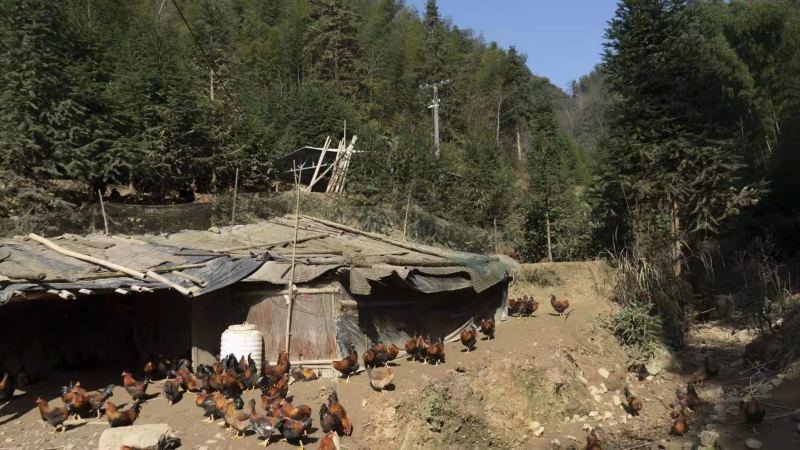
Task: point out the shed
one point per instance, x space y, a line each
353 287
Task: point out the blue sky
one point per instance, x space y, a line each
562 38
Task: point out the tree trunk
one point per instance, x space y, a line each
519 146
549 240
675 226
499 105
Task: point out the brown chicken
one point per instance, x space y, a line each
559 305
297 413
513 306
136 389
487 328
411 349
380 378
149 370
7 387
117 418
422 348
593 441
295 430
329 442
532 307
393 351
78 405
349 365
172 390
279 389
188 380
369 358
679 426
96 400
212 405
271 374
468 338
753 411
54 416
239 421
301 374
333 416
634 402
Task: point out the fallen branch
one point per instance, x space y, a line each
90 259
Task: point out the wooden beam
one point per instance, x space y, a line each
163 280
319 163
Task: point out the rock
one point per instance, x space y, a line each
713 394
69 446
586 427
593 414
661 359
534 425
593 390
539 431
363 402
597 398
143 437
709 438
603 388
603 372
202 448
555 442
9 440
575 417
753 443
211 441
582 379
616 400
571 437
607 415
214 230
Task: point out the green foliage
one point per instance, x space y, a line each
539 276
638 330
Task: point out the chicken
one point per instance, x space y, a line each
329 442
468 338
297 413
679 426
329 422
422 349
172 390
279 389
349 365
559 305
531 307
369 358
149 370
679 409
753 411
634 402
336 408
295 430
593 441
271 374
411 349
7 387
301 374
264 426
96 400
136 389
239 421
393 351
380 378
692 399
75 399
188 381
212 405
381 353
125 418
435 351
487 328
230 386
54 416
513 306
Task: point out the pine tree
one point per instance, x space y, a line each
332 44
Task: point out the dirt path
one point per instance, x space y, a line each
542 369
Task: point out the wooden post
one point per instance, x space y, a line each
292 290
549 243
495 235
519 146
235 191
319 163
103 210
408 205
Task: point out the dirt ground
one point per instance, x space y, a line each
567 375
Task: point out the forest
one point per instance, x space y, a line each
682 144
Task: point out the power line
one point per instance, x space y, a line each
208 59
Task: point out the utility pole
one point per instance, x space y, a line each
434 104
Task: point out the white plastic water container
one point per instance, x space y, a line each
242 340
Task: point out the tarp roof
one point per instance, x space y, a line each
258 252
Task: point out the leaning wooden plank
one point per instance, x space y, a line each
90 259
163 280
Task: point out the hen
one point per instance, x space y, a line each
96 400
301 374
593 441
54 416
422 349
393 351
297 413
239 421
349 365
487 328
559 305
333 416
7 387
468 338
212 405
125 418
295 430
411 349
753 411
172 390
679 426
369 357
264 426
380 378
136 389
329 442
634 402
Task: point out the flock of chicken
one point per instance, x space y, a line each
218 390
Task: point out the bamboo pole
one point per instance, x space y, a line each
163 280
319 163
292 289
235 191
405 222
103 210
90 259
187 276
